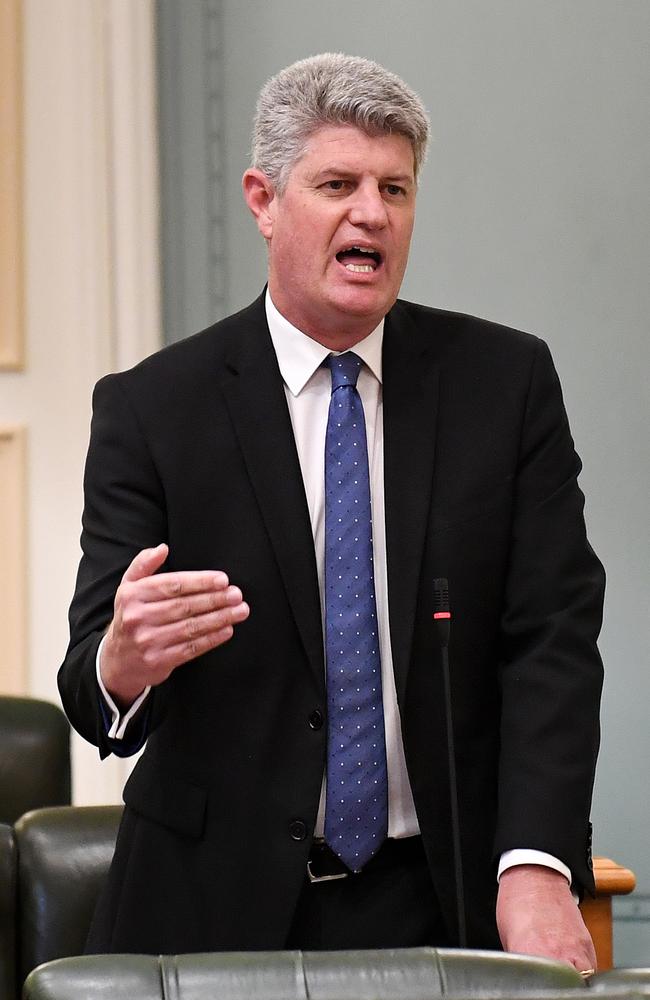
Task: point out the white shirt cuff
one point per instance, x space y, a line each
525 856
118 722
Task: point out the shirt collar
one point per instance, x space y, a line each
299 356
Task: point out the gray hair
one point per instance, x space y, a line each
332 89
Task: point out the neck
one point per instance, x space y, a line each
340 341
339 335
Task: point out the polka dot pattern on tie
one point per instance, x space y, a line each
356 812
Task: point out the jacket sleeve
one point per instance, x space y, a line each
124 512
550 669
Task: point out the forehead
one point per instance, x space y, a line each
349 147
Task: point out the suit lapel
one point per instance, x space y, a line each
254 393
410 392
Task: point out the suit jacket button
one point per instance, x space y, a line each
316 719
297 829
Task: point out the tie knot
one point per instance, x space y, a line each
345 369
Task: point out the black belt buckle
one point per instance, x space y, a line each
328 860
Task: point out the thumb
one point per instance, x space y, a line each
146 563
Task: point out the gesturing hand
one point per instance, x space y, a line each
537 915
161 621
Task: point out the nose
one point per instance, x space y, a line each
368 208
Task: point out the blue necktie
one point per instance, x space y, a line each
356 809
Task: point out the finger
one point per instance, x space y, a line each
179 609
197 627
146 562
193 648
189 649
171 586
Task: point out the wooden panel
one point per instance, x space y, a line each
11 262
597 915
13 562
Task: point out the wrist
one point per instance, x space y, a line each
534 878
123 689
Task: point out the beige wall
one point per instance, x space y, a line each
89 228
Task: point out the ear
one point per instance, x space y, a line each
259 194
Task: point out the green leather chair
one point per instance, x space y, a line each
404 974
63 856
34 756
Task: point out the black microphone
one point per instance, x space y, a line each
442 622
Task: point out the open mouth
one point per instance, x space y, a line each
361 260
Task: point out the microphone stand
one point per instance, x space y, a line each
442 619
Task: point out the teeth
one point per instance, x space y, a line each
364 249
360 268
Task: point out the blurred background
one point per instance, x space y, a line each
124 133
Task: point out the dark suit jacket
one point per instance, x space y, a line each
194 447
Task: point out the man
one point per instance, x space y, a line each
206 621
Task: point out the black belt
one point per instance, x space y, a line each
325 866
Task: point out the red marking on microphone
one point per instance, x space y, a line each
442 614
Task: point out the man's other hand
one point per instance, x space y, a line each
164 620
537 915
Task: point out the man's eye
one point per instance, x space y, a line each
335 185
394 189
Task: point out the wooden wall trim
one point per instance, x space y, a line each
132 179
11 201
13 547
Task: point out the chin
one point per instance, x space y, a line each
364 304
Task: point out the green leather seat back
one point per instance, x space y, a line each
405 974
63 857
427 972
622 979
34 756
97 977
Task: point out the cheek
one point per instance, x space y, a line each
293 259
404 241
302 242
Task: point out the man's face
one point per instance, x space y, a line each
339 234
